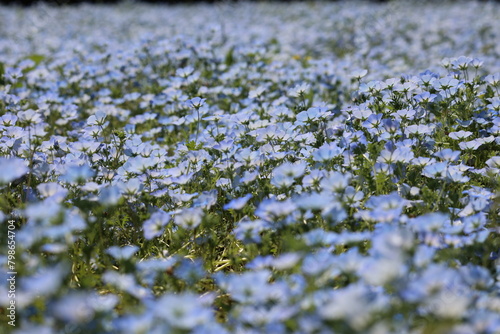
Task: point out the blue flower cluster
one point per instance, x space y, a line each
252 167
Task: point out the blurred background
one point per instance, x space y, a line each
72 2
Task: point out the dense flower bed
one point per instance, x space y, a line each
251 168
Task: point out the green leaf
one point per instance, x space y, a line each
229 59
37 58
2 73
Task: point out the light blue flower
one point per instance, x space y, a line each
12 168
238 203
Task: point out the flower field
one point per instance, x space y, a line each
310 167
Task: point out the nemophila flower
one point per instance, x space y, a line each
493 162
471 145
335 181
447 154
43 212
257 92
126 283
474 222
131 187
98 119
190 271
206 200
404 154
53 191
90 187
459 135
312 114
282 181
134 323
435 170
211 327
379 271
493 79
91 131
373 121
334 212
182 311
181 179
225 145
189 218
196 102
185 71
320 264
373 86
327 152
45 282
110 195
495 103
284 174
248 287
249 176
455 174
425 97
361 112
461 63
238 203
358 74
313 201
60 226
286 261
30 116
122 253
149 269
266 319
267 134
420 129
422 161
474 275
139 165
356 304
391 242
476 201
391 126
32 328
351 195
447 86
430 222
246 155
281 111
299 90
313 178
77 173
249 231
383 208
86 145
272 209
54 248
13 74
202 155
423 255
80 307
451 302
8 119
223 183
12 168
